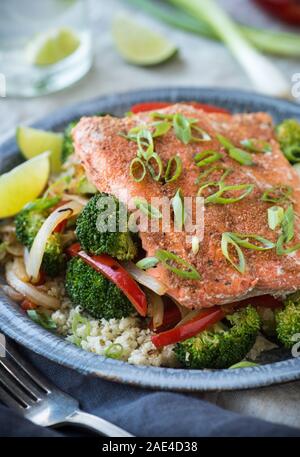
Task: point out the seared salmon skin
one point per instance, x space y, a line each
106 156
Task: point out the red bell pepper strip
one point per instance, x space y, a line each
60 227
27 304
172 316
148 106
205 319
151 106
113 271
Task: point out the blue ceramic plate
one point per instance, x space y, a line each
15 324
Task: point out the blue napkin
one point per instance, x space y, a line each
141 412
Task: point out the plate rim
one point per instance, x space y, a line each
65 353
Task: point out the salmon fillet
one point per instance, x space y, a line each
106 157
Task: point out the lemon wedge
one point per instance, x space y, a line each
23 184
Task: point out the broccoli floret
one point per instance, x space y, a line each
288 135
103 237
288 320
221 346
68 147
94 293
28 222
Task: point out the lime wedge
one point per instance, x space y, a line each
33 142
23 184
139 45
52 46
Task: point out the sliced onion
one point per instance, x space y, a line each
15 249
145 279
157 309
12 293
75 198
189 316
29 291
19 269
34 261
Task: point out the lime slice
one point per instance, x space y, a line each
23 184
33 142
139 45
52 46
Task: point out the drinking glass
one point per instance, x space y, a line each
30 27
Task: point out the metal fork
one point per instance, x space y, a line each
25 390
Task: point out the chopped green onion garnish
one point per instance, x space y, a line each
287 233
237 154
206 157
145 144
280 250
210 170
172 174
275 216
137 169
168 259
277 194
225 142
185 128
156 115
256 145
243 240
178 208
240 156
182 128
243 364
147 262
147 209
287 225
156 168
238 240
160 128
225 242
201 135
79 320
218 198
195 244
114 351
42 319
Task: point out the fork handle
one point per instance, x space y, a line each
96 424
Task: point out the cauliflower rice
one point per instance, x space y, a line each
99 335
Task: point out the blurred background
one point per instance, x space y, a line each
83 54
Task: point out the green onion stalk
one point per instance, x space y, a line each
272 42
